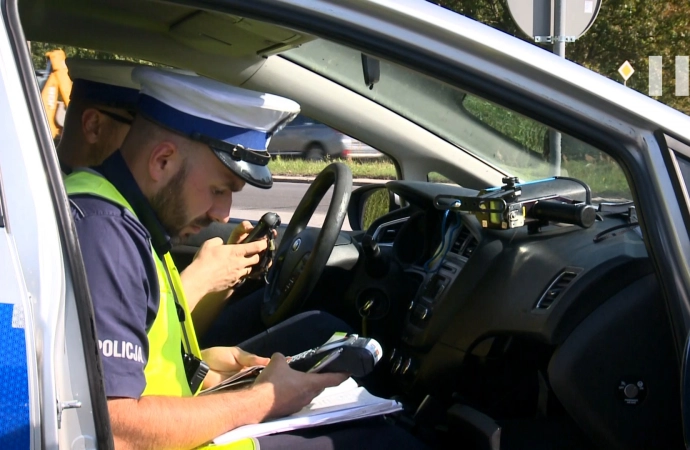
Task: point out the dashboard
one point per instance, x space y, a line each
475 304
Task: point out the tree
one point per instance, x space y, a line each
629 30
39 50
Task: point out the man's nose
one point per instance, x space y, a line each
220 211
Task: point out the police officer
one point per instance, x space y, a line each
101 108
193 144
103 103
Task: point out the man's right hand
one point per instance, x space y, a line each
171 422
291 390
218 267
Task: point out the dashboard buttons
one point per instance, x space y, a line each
392 356
632 391
420 312
402 366
406 366
396 365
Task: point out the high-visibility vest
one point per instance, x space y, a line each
164 371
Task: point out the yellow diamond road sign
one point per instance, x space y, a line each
626 70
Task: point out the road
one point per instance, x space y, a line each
282 198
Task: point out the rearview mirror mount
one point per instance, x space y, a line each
371 67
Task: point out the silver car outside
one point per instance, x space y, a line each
311 139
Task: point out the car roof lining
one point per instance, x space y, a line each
226 47
238 53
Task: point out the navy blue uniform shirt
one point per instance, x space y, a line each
122 277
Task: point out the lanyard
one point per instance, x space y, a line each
180 310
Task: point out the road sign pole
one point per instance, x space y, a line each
559 30
559 34
547 21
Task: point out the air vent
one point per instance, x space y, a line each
462 237
556 289
470 247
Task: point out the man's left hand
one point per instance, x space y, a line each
224 362
240 232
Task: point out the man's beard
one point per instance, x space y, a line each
171 209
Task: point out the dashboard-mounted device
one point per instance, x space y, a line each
533 204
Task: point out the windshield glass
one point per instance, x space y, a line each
515 144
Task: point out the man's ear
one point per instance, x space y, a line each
91 125
163 161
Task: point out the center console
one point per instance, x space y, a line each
432 293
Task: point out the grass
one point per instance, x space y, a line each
579 160
375 206
380 169
604 177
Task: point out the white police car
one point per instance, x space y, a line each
499 335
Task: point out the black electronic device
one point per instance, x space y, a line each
195 370
266 227
532 204
349 354
268 222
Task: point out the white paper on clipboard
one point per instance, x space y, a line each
341 403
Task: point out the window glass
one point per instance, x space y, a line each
301 150
515 144
376 205
435 177
578 159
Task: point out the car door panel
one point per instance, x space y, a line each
65 380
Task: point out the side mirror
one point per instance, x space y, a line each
368 203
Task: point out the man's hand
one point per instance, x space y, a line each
292 390
218 267
224 362
240 232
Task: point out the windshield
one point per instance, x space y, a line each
515 144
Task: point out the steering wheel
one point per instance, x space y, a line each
303 253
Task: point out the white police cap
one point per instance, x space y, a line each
236 123
106 82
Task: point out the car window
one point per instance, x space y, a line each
578 159
301 120
515 144
435 177
300 151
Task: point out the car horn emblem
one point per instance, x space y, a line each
296 244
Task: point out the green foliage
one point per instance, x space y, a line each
605 178
435 177
39 50
579 160
526 132
629 30
375 206
374 169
